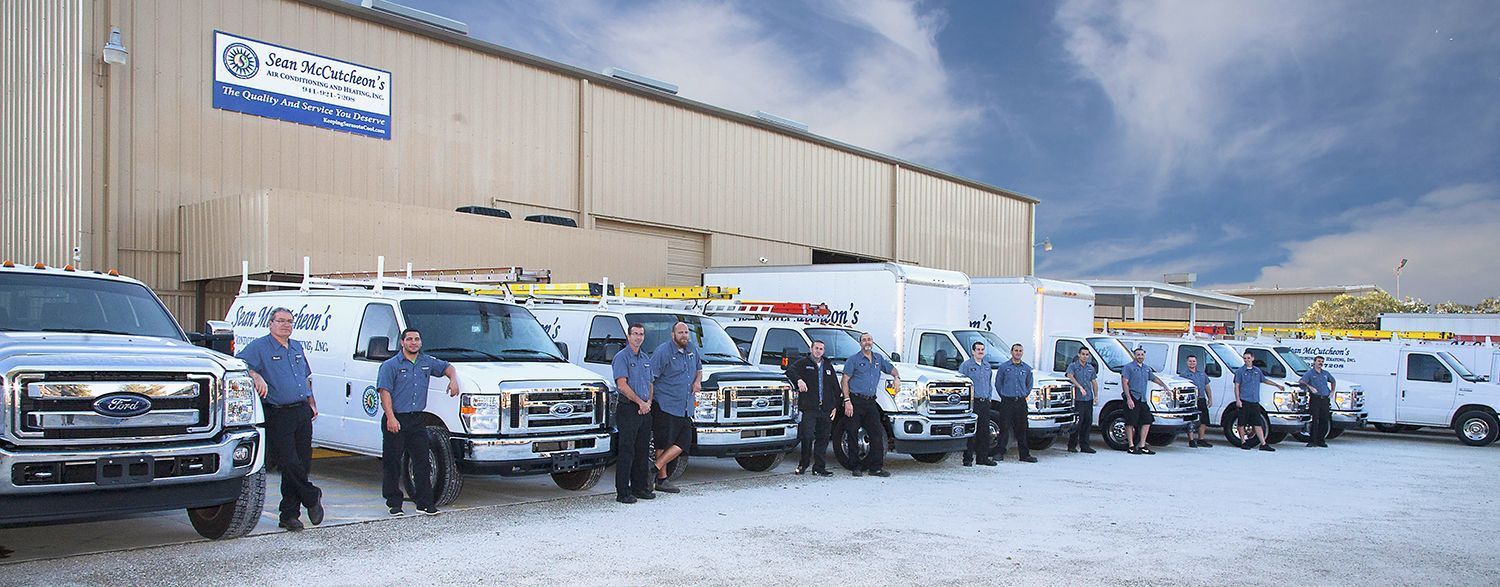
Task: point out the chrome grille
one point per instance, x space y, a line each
554 409
1185 398
756 402
1059 397
59 406
948 400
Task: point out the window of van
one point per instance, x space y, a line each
1109 351
937 350
477 330
1421 367
839 343
743 337
778 341
1267 361
379 320
995 349
1065 352
606 338
1206 362
1156 354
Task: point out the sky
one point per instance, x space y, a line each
1255 143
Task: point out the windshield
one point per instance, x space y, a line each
1227 355
47 302
473 330
838 343
1292 360
1111 352
995 349
712 341
1459 367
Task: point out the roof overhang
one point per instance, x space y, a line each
1155 294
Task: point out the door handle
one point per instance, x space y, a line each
348 389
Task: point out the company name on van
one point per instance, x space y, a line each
302 319
1334 358
983 323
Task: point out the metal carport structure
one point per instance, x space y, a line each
1154 294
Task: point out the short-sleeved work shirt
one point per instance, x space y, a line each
406 380
284 368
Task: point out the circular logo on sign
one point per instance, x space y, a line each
241 60
371 401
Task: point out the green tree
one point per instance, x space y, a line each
1453 308
1488 306
1346 311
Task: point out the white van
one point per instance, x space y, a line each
522 409
1053 319
930 416
1412 385
740 411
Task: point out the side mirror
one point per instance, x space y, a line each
379 348
895 357
1444 376
563 348
1213 370
217 335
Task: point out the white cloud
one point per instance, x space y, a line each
1448 236
883 87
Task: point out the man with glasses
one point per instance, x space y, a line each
284 381
860 383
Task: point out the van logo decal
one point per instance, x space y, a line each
562 410
122 405
954 398
370 401
761 403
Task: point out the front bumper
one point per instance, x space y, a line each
533 455
1284 422
916 427
12 461
1345 419
1047 424
746 440
1173 421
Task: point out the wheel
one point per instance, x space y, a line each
1161 439
1335 432
580 480
674 469
442 472
1042 443
1476 428
1112 428
1275 437
840 446
236 518
931 457
760 463
994 435
1388 428
1232 432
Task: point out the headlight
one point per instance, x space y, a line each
1159 399
1286 401
907 397
706 406
480 413
1034 399
239 399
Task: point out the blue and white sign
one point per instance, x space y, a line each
286 84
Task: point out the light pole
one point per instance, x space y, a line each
1399 267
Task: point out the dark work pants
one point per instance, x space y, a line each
1080 436
867 416
289 440
634 452
1012 420
1322 418
410 442
813 432
979 443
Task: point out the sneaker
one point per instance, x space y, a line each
1192 443
428 511
1028 459
396 511
823 472
1204 444
880 473
1267 448
315 512
1145 451
644 495
1246 445
665 485
1087 450
626 498
1132 450
988 462
859 473
292 525
1322 445
1312 445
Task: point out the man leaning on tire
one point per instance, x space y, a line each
402 382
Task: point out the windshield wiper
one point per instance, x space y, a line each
454 349
89 331
531 352
734 358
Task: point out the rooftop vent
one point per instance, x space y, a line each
483 211
421 16
556 220
641 80
780 121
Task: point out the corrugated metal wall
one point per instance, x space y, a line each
727 250
687 252
46 82
950 225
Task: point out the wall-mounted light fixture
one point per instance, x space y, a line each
115 52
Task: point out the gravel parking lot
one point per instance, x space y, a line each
1375 509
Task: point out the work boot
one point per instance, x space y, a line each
1192 443
987 462
880 473
625 498
1088 450
315 511
1204 444
1028 459
644 495
291 525
666 486
968 460
1267 448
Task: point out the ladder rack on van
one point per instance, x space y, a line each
377 280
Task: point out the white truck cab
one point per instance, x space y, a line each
522 408
1053 319
929 416
109 410
1410 385
740 412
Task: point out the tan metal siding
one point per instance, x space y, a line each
46 76
954 226
687 252
729 250
663 164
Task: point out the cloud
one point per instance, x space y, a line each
1447 235
867 73
1117 258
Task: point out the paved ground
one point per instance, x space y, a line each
1376 509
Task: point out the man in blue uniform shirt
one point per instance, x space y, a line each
284 381
1247 398
860 383
676 377
1085 378
1013 383
1137 376
1322 385
982 376
402 382
1205 399
631 371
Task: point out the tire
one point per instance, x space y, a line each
580 480
1112 428
840 451
1335 432
1388 428
760 463
1231 432
1161 439
931 458
236 518
446 481
1476 428
1042 443
675 469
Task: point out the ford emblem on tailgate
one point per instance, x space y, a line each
562 410
122 405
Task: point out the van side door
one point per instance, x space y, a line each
364 416
606 338
1426 390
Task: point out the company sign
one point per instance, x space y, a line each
286 84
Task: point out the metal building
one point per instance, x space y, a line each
119 146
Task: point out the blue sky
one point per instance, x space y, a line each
1254 143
